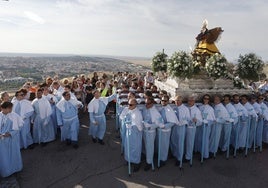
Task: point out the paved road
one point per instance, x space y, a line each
93 165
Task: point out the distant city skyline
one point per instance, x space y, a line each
134 28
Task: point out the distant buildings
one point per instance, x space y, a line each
15 79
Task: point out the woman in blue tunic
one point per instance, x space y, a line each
10 160
96 109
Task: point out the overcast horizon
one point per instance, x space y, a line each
130 28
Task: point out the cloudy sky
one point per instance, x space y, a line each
130 27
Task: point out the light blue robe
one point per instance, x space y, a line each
69 121
178 132
123 126
264 131
149 134
25 111
10 156
222 116
208 120
43 129
263 115
253 117
241 130
53 117
98 131
165 135
133 136
228 127
190 131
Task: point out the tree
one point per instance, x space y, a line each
159 62
249 67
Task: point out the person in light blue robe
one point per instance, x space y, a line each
133 138
52 99
177 138
259 123
222 117
169 119
43 130
240 134
152 120
253 117
228 126
25 110
208 120
10 156
96 109
262 129
67 118
195 121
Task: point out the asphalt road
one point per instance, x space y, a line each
93 165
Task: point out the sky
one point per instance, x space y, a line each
131 27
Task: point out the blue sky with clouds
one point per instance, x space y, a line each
130 27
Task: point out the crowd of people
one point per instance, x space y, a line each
148 120
39 112
153 125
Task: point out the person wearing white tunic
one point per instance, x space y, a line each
53 101
232 122
10 122
169 119
208 119
263 87
178 131
96 109
240 142
43 130
67 118
57 90
195 120
253 117
259 125
222 117
152 120
133 121
262 129
24 109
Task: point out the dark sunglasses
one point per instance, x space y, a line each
131 104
